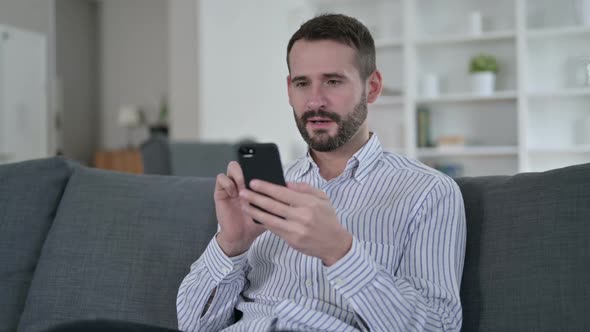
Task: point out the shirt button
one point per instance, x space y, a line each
225 270
339 281
308 283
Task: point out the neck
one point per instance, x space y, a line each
333 163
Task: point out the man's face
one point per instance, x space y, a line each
326 92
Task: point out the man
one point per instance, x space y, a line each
370 240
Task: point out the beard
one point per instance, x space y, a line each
320 139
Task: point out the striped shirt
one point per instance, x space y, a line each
402 272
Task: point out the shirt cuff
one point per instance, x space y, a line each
220 266
353 271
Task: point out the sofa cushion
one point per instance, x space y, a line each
29 196
200 159
528 251
119 247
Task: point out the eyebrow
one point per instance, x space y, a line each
326 75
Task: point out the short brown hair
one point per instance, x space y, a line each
340 28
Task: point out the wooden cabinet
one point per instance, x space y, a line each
128 161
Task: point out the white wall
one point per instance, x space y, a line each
242 72
134 62
27 14
76 37
183 80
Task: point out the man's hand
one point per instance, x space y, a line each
238 230
310 224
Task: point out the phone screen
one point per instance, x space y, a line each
261 161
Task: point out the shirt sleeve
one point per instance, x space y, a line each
213 271
423 294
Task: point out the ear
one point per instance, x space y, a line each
374 86
289 89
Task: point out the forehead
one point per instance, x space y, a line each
322 56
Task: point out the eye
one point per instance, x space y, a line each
333 82
300 84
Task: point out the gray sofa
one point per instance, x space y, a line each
162 156
80 243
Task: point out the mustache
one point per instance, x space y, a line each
320 113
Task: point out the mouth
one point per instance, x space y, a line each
319 122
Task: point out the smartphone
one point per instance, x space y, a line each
261 161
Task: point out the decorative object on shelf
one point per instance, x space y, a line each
450 141
475 23
584 12
130 117
483 69
430 86
423 122
578 71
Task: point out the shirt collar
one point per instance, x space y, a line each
360 164
366 157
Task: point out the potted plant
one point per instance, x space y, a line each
483 69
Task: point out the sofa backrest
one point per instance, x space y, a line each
29 196
527 265
201 159
119 247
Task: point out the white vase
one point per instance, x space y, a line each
483 83
430 86
475 23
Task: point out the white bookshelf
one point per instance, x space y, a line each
467 97
463 39
388 43
558 32
389 101
528 124
468 151
561 93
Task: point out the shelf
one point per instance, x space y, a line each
561 150
388 43
334 2
459 39
558 32
575 92
389 100
467 97
468 151
529 122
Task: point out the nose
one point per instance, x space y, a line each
316 98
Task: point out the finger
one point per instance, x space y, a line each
234 172
271 222
225 184
267 203
279 193
305 188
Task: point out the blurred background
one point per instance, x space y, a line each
472 87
